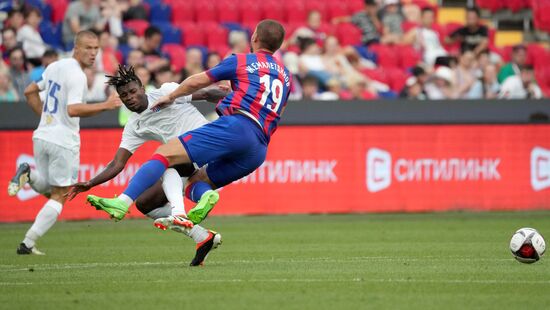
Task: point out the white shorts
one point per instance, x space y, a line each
57 165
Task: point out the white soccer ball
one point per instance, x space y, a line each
527 245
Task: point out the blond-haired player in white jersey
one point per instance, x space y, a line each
146 125
56 141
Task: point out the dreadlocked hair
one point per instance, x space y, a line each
124 76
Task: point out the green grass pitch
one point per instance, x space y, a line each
375 261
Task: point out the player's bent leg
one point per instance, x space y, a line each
45 219
201 190
168 154
174 152
213 240
151 199
21 177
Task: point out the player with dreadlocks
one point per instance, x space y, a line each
145 125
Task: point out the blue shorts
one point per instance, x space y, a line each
233 147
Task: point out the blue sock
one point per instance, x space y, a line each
146 176
195 190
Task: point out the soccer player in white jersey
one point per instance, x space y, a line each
145 125
56 141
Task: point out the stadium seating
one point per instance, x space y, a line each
205 12
160 13
320 7
348 34
192 34
507 38
273 9
355 5
295 11
183 11
206 24
170 33
176 53
387 55
138 26
451 15
250 12
52 34
228 11
337 9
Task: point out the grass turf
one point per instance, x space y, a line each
386 261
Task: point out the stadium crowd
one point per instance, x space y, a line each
371 49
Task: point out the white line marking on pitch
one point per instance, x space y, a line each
302 280
11 268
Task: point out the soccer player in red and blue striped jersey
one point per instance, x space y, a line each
234 145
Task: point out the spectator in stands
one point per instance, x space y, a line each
392 20
30 38
49 56
358 90
9 41
7 91
367 20
310 87
238 42
420 74
212 59
193 62
136 10
522 86
441 85
466 74
15 20
18 71
135 58
151 49
164 75
81 15
311 62
337 64
425 39
145 77
413 89
106 57
97 87
473 36
489 82
312 30
519 58
111 13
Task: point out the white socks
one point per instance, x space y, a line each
164 211
38 183
172 184
127 200
197 233
43 222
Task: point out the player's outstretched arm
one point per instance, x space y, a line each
33 98
84 110
211 94
112 170
187 87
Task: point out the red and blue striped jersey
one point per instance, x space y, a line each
260 83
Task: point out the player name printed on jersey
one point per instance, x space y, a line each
255 66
